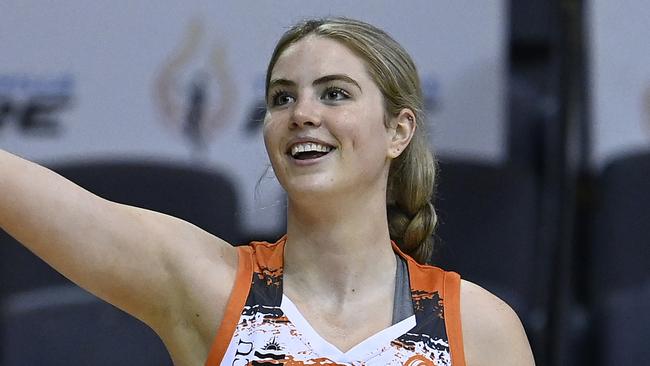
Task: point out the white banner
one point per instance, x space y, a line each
620 74
117 79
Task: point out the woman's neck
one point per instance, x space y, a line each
340 249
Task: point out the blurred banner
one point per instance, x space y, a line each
183 81
620 76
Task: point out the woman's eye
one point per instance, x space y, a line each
281 98
335 94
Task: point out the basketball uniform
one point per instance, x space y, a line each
261 326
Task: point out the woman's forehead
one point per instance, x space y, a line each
314 56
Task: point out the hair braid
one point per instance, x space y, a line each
411 215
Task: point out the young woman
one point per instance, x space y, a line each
347 285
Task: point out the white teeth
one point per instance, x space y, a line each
309 146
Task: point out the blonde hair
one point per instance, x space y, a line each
411 178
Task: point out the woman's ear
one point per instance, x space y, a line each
401 131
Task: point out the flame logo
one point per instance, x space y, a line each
193 89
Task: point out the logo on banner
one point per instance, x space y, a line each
31 104
194 91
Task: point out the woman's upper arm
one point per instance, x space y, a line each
492 333
133 258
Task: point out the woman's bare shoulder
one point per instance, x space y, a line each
202 262
492 331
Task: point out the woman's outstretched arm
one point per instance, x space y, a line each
144 262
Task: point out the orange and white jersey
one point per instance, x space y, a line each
261 326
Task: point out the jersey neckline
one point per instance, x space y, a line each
362 350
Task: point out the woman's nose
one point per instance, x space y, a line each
305 113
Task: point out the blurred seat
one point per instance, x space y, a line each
622 327
620 233
619 263
64 325
487 227
488 232
202 197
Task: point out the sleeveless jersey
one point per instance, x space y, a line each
261 326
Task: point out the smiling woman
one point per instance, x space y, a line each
347 285
344 133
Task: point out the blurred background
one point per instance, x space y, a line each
539 114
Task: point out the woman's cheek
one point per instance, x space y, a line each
269 132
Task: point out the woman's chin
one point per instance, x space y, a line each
310 190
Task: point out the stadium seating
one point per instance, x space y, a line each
488 222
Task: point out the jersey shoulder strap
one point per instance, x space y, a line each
436 296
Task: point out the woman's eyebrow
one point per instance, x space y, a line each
283 82
321 80
339 77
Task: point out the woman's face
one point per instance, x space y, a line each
324 127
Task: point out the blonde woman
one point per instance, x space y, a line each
347 285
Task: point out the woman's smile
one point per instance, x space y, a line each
308 148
